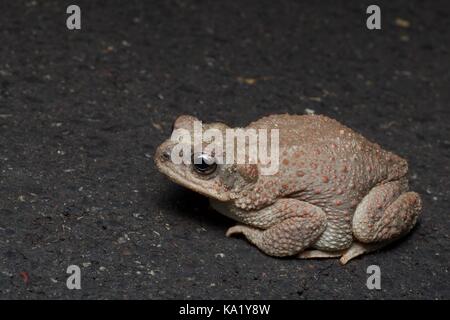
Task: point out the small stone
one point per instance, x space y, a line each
249 81
402 23
121 240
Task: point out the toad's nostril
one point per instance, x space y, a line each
166 155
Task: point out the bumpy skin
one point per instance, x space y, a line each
335 195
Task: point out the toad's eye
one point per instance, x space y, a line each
204 163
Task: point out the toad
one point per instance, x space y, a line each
335 194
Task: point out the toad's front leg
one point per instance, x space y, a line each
287 227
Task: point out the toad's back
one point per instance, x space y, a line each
316 135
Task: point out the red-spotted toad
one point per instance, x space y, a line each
336 194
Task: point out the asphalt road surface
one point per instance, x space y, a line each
82 111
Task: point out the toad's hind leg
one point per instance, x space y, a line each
385 214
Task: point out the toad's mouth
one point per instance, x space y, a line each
182 174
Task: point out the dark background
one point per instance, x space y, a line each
81 113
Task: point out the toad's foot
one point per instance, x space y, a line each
319 254
358 249
346 255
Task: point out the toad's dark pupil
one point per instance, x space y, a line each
204 164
